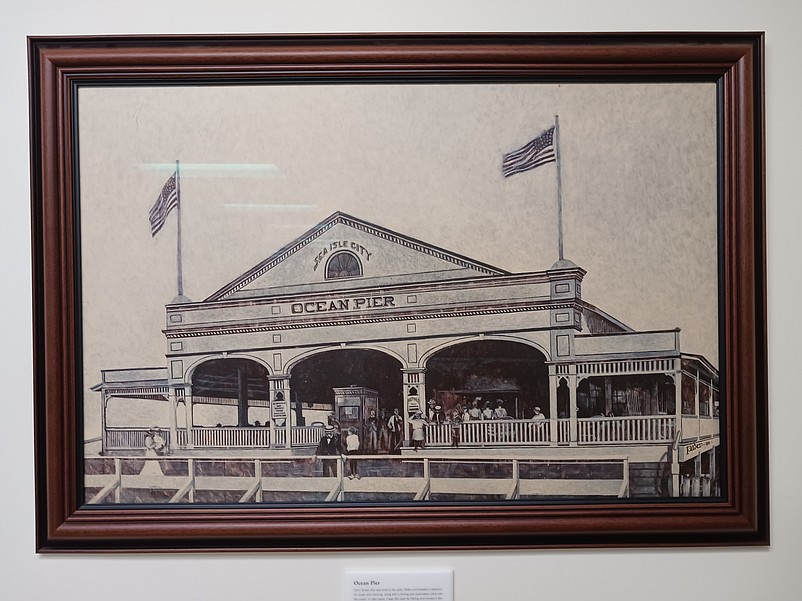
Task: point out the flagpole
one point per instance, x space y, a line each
559 187
178 237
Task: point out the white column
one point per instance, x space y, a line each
696 405
104 401
173 399
713 475
413 378
571 379
677 375
280 384
285 382
189 410
675 479
553 423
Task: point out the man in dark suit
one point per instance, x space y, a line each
328 449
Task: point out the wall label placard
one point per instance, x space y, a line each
429 585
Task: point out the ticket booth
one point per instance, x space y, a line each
352 406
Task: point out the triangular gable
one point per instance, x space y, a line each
385 256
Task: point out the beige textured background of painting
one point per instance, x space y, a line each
734 574
265 164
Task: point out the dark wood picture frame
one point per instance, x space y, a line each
59 66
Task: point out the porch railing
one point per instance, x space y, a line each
491 433
126 439
563 431
306 436
590 431
301 436
231 437
645 429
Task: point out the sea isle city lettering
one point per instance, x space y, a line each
354 247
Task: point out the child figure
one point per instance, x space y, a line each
352 448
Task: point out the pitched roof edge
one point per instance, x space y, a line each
336 218
606 316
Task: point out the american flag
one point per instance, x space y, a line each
539 151
166 202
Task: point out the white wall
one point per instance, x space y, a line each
732 574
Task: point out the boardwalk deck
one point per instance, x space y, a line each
183 480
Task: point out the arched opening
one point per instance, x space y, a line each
230 392
563 399
314 379
489 371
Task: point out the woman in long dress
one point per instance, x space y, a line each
418 424
154 445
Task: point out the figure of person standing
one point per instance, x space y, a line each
150 443
395 425
418 424
384 432
328 449
372 433
154 447
352 448
456 427
474 412
502 429
431 409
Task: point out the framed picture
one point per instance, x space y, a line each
304 292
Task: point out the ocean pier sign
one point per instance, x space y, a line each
343 304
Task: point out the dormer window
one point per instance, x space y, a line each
343 264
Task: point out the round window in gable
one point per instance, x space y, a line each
343 265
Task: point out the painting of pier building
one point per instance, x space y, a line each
352 323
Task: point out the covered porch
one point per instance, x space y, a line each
477 434
665 400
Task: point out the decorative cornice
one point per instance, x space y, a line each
224 329
469 283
